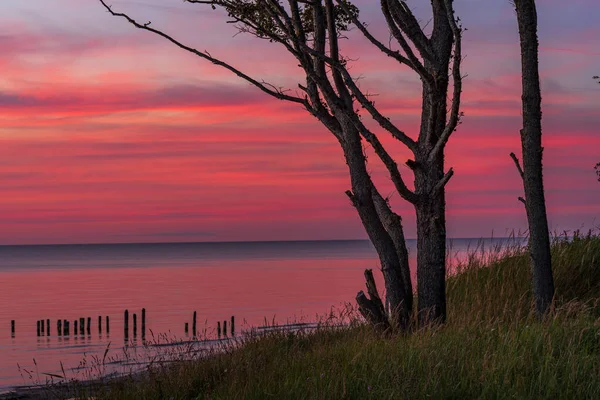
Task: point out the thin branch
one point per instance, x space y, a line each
442 183
387 160
398 35
522 200
383 121
455 114
277 93
334 53
518 165
410 26
395 54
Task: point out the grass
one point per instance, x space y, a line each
491 347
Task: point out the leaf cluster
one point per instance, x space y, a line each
263 13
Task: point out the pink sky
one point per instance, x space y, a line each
109 134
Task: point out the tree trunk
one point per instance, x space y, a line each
397 298
531 142
431 261
431 242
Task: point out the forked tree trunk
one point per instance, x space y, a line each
531 142
398 299
310 30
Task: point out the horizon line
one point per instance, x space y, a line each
237 241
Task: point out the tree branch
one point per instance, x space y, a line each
518 165
386 50
455 114
383 121
277 93
397 34
387 160
334 53
408 23
392 223
442 183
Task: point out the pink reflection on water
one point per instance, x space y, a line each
252 290
281 283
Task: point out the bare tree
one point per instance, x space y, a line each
531 146
310 30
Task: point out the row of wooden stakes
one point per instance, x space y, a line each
224 331
63 327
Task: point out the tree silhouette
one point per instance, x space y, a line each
310 30
531 146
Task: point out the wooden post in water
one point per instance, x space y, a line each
107 325
59 327
143 324
186 328
99 324
194 325
48 327
225 328
134 325
232 325
38 327
66 328
81 326
219 328
42 326
12 328
126 324
75 328
89 325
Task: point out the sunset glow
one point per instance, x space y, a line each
110 134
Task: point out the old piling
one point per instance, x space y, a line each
143 324
48 327
218 328
66 328
126 329
42 327
107 325
99 324
225 328
75 328
59 327
38 327
82 326
232 325
134 325
12 328
89 325
194 324
186 328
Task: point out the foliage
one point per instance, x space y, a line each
265 20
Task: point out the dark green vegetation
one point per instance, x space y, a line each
491 347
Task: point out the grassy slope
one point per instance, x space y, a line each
490 348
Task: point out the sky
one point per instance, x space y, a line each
111 134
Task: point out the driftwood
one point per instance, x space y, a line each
371 307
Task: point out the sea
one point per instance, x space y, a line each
258 283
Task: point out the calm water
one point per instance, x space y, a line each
281 281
